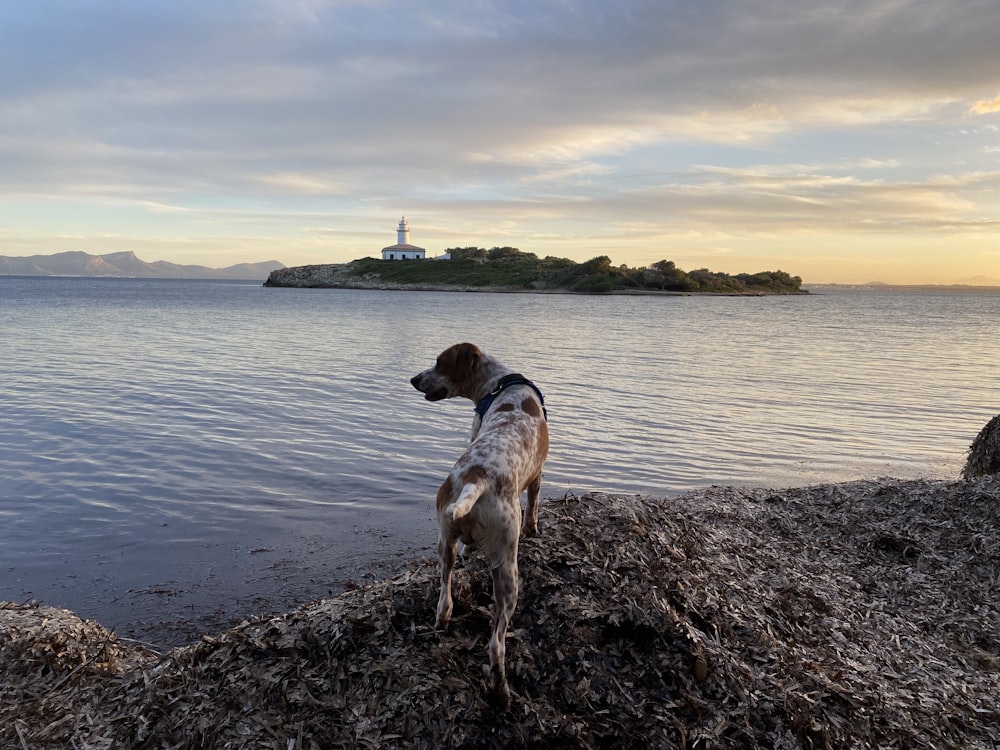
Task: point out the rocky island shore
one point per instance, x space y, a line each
857 615
345 276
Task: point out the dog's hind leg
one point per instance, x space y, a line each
531 512
447 553
504 602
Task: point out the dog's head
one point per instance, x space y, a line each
452 375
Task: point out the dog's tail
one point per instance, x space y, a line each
466 499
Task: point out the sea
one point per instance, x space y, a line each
176 456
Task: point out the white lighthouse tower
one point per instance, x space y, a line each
403 250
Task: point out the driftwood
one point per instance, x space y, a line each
984 453
857 615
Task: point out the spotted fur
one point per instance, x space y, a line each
479 501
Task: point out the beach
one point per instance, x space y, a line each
859 614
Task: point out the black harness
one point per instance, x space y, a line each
483 405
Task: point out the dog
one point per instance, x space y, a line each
479 501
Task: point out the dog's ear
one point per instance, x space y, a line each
468 356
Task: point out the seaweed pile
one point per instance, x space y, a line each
855 615
984 453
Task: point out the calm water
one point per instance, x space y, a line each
174 454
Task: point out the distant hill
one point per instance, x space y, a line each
127 265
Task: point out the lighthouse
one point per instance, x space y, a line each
403 250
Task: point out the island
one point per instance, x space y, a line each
507 269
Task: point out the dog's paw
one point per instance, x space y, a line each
499 696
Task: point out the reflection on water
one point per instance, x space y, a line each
219 432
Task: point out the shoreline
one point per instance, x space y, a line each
394 287
857 614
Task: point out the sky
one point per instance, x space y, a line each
845 142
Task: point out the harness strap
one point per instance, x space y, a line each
483 405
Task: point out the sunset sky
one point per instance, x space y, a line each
842 142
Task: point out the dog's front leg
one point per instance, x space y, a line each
447 554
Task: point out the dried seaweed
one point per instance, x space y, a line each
984 453
856 615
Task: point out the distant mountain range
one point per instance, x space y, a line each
127 265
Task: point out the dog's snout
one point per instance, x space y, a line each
415 382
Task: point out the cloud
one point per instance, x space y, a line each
986 106
303 183
543 120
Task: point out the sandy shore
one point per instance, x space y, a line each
855 615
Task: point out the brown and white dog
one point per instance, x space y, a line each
479 501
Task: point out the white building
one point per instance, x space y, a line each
403 250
